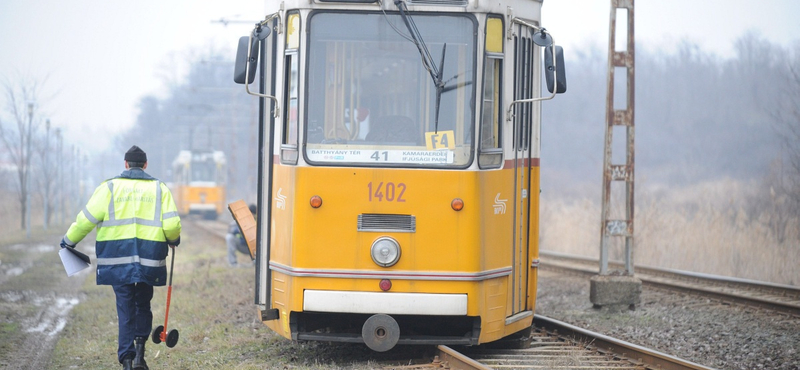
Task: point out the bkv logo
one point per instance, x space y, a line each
280 200
499 205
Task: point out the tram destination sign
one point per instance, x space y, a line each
443 156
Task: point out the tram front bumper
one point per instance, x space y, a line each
385 303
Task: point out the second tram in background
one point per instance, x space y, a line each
199 183
399 144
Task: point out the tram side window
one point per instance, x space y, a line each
291 84
219 173
290 125
178 175
490 147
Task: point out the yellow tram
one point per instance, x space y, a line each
199 183
400 168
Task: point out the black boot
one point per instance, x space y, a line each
138 361
127 364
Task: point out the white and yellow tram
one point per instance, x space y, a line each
400 170
199 183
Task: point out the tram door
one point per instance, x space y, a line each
525 83
268 72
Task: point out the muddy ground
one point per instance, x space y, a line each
36 297
50 321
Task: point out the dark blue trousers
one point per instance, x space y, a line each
135 317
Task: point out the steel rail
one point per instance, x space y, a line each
556 344
650 359
215 228
457 360
677 280
658 270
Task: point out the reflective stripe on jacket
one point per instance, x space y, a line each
136 218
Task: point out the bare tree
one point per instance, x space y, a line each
204 110
788 116
46 178
784 177
17 127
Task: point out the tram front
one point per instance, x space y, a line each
394 214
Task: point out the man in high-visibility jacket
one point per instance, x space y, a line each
136 222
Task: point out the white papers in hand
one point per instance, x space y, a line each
72 263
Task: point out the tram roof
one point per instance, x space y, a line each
528 9
186 156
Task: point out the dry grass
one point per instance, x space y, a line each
720 227
212 308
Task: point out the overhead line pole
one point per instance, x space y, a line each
607 289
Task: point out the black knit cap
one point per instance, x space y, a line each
135 154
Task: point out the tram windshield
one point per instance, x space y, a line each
371 100
203 171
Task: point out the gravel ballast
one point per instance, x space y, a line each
691 327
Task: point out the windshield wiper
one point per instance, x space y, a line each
427 60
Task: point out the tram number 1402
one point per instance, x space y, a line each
389 191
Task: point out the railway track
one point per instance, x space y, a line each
558 345
784 299
216 228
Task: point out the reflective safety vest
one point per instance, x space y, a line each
136 219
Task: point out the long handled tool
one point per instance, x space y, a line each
160 334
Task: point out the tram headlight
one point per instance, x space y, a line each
385 251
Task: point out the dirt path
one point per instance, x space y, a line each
36 297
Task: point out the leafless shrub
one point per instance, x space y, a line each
723 227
